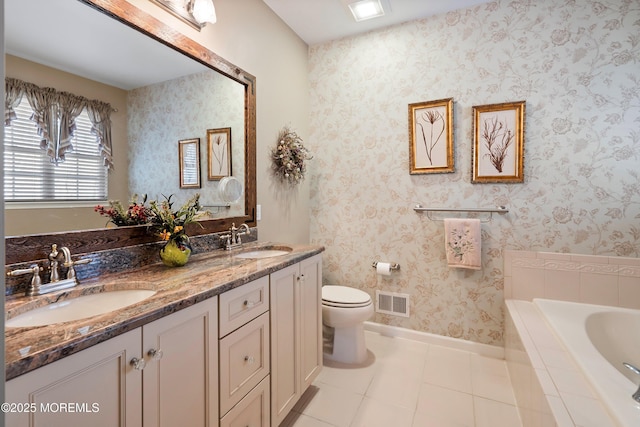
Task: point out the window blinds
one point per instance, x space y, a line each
30 176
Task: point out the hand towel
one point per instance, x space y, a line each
462 243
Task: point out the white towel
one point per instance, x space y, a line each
462 243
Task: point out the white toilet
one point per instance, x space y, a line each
344 310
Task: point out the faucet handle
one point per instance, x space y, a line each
78 262
33 268
36 281
71 272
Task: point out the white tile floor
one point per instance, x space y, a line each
409 384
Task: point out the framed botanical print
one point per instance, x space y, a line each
219 153
189 158
431 137
498 143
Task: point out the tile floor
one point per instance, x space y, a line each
409 384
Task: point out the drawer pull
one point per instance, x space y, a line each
248 304
138 364
155 354
249 359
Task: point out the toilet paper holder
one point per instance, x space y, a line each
394 266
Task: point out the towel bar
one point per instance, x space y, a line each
500 210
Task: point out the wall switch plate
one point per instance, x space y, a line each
258 212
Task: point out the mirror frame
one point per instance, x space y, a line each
31 247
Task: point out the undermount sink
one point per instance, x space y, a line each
263 253
79 308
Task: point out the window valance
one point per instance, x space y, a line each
55 112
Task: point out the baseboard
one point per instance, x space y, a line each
428 338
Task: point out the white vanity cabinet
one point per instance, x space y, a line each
242 358
245 355
180 379
296 333
98 375
99 386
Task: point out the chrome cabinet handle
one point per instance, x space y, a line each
138 364
155 354
629 366
632 368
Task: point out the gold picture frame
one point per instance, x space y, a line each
218 153
189 160
179 9
498 143
431 137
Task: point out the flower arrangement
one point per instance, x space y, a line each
158 216
162 220
289 157
135 214
169 224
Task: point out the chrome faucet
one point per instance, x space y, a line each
69 264
55 283
232 239
629 366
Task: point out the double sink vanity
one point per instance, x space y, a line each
232 338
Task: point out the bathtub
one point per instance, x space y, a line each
600 339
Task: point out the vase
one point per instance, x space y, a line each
176 252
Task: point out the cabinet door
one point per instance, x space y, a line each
181 381
296 333
285 333
98 386
310 320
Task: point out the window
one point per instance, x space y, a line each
29 174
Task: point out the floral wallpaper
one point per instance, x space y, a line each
576 63
160 115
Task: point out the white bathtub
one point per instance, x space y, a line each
600 338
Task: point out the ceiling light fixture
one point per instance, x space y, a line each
203 11
366 9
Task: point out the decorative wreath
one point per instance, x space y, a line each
289 157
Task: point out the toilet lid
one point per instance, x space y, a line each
344 296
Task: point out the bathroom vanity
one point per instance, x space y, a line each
223 341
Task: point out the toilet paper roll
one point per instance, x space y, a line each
383 268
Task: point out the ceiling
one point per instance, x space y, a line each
119 56
89 44
318 21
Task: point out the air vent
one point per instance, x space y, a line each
392 303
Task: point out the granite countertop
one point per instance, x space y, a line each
206 275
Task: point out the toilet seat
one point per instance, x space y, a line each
344 297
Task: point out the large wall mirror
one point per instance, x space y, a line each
206 90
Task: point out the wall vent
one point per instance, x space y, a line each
392 303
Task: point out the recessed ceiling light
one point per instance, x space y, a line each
366 9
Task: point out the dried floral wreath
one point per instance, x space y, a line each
289 157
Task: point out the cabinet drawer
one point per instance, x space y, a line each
244 361
253 410
240 305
